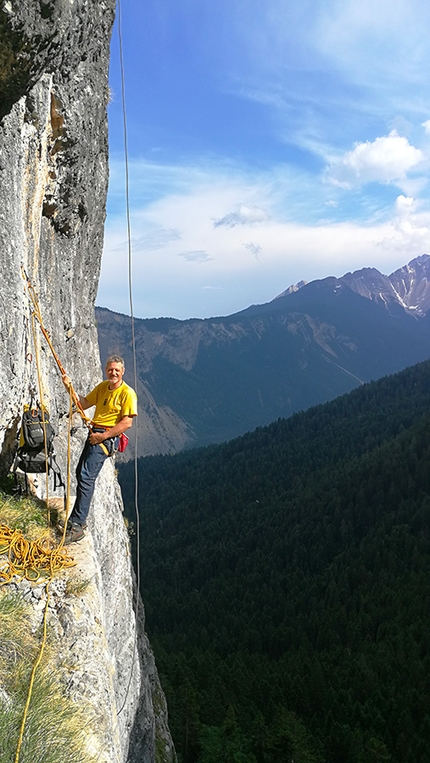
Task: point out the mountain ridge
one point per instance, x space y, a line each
207 380
407 287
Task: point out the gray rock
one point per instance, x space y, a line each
53 183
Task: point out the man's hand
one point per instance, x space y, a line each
68 385
96 438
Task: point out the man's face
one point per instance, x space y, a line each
114 372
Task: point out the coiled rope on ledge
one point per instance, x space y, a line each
36 559
31 560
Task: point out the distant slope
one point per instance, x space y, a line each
286 577
204 381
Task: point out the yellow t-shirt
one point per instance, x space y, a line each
112 404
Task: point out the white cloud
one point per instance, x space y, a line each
405 205
426 126
197 255
410 228
385 160
243 215
212 272
255 249
156 239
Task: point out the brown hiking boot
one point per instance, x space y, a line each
75 534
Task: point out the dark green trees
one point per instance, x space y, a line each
286 580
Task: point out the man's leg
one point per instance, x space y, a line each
89 466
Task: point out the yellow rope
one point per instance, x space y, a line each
33 559
69 465
30 559
133 340
38 315
42 406
33 674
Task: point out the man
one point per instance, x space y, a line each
116 406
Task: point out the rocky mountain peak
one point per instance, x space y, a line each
370 283
411 284
408 287
291 289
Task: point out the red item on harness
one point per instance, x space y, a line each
122 442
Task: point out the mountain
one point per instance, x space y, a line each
408 287
286 577
204 381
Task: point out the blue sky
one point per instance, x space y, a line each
269 142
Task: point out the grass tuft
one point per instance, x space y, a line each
56 729
26 513
76 586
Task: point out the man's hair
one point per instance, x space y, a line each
115 359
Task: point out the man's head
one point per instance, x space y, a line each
115 370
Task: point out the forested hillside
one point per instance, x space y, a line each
286 576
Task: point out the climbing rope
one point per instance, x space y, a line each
30 559
42 407
38 315
69 466
133 341
33 674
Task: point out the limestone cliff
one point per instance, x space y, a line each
53 180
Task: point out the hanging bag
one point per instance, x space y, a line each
122 443
36 429
35 452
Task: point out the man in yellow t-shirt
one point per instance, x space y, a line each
116 406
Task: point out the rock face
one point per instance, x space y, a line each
53 181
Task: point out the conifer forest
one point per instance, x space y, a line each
286 578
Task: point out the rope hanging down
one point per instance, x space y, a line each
42 401
38 315
33 674
34 559
133 342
